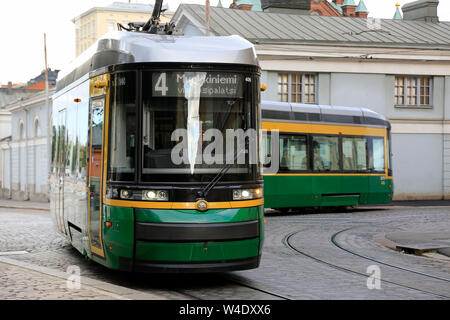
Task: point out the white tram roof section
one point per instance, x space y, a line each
144 47
287 109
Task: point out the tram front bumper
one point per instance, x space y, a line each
173 241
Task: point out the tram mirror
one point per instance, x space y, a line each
263 87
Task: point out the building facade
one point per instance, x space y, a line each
94 23
24 154
398 68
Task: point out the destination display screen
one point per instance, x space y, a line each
193 85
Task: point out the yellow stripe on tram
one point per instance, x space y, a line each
183 205
323 129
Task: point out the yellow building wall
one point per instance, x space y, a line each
92 26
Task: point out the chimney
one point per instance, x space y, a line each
421 10
9 87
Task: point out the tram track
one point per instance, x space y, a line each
287 243
242 283
340 246
235 282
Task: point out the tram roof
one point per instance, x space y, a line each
121 47
284 111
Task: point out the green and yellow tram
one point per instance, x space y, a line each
328 156
116 192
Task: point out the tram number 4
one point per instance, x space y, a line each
161 84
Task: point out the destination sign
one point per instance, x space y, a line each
198 84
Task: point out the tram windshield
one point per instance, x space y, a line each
193 124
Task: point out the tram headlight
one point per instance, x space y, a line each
155 195
125 194
247 194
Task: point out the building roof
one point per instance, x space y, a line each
263 27
131 6
122 6
10 96
349 3
338 7
361 7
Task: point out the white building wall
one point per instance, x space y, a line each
417 165
446 164
29 165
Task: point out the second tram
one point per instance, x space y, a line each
328 156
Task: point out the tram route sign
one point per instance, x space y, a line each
213 84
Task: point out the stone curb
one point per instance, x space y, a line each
384 241
112 290
25 208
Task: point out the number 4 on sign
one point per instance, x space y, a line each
161 84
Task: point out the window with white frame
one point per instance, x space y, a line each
297 87
413 91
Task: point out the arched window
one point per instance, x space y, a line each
21 130
37 128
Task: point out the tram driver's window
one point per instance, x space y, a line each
325 153
293 153
378 154
122 148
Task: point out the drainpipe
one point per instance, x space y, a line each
27 194
10 168
443 139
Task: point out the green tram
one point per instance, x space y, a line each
328 156
116 193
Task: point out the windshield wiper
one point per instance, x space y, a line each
204 192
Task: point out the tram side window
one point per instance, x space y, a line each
72 141
325 153
82 130
55 136
378 154
122 148
293 153
354 151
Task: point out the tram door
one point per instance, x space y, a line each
61 165
95 175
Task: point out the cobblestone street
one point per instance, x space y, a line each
323 255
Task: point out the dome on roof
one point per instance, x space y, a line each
362 7
349 3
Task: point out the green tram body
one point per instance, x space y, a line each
102 166
359 134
